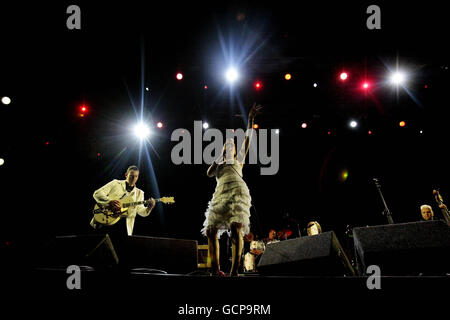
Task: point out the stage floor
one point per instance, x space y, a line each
200 287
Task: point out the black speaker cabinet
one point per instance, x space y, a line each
404 248
318 255
99 251
166 254
90 250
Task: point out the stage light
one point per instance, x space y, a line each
6 100
353 124
98 154
205 125
141 131
343 76
179 76
304 125
343 175
277 131
159 125
147 89
402 123
231 75
205 87
365 85
47 143
258 85
255 126
329 133
2 161
83 110
288 76
398 78
370 132
315 85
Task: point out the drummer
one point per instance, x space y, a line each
271 237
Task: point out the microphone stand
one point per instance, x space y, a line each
299 233
386 211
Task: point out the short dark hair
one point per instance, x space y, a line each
133 167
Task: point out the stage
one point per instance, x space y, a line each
51 283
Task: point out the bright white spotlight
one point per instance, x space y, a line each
353 124
6 100
2 161
277 131
205 125
141 131
231 75
315 85
397 78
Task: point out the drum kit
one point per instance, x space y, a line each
257 248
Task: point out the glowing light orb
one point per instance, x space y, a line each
141 131
231 75
6 100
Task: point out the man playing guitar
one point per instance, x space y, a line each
109 197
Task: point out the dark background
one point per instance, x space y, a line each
49 71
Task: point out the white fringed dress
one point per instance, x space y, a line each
230 202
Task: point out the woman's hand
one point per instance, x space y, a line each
254 111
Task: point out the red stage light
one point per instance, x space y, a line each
258 85
343 76
370 132
255 126
206 87
365 85
83 108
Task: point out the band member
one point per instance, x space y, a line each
313 228
271 237
229 208
253 250
427 212
109 194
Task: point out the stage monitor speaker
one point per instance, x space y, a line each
166 254
90 250
404 249
319 255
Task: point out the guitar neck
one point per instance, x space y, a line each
137 203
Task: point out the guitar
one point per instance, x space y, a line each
442 206
107 217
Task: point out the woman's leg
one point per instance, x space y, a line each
237 243
213 247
